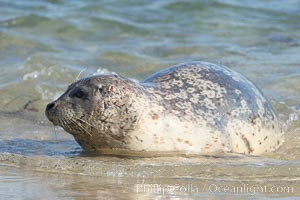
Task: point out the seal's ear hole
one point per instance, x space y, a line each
100 90
110 89
106 90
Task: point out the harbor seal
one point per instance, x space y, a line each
195 107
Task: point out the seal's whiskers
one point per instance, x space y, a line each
79 125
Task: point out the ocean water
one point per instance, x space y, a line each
46 45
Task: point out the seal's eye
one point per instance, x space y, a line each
77 93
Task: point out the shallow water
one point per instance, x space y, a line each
44 45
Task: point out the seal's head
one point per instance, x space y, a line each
98 110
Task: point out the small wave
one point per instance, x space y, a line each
103 71
294 116
31 75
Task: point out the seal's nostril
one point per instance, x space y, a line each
50 106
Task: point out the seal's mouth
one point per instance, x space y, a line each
54 122
51 118
51 113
